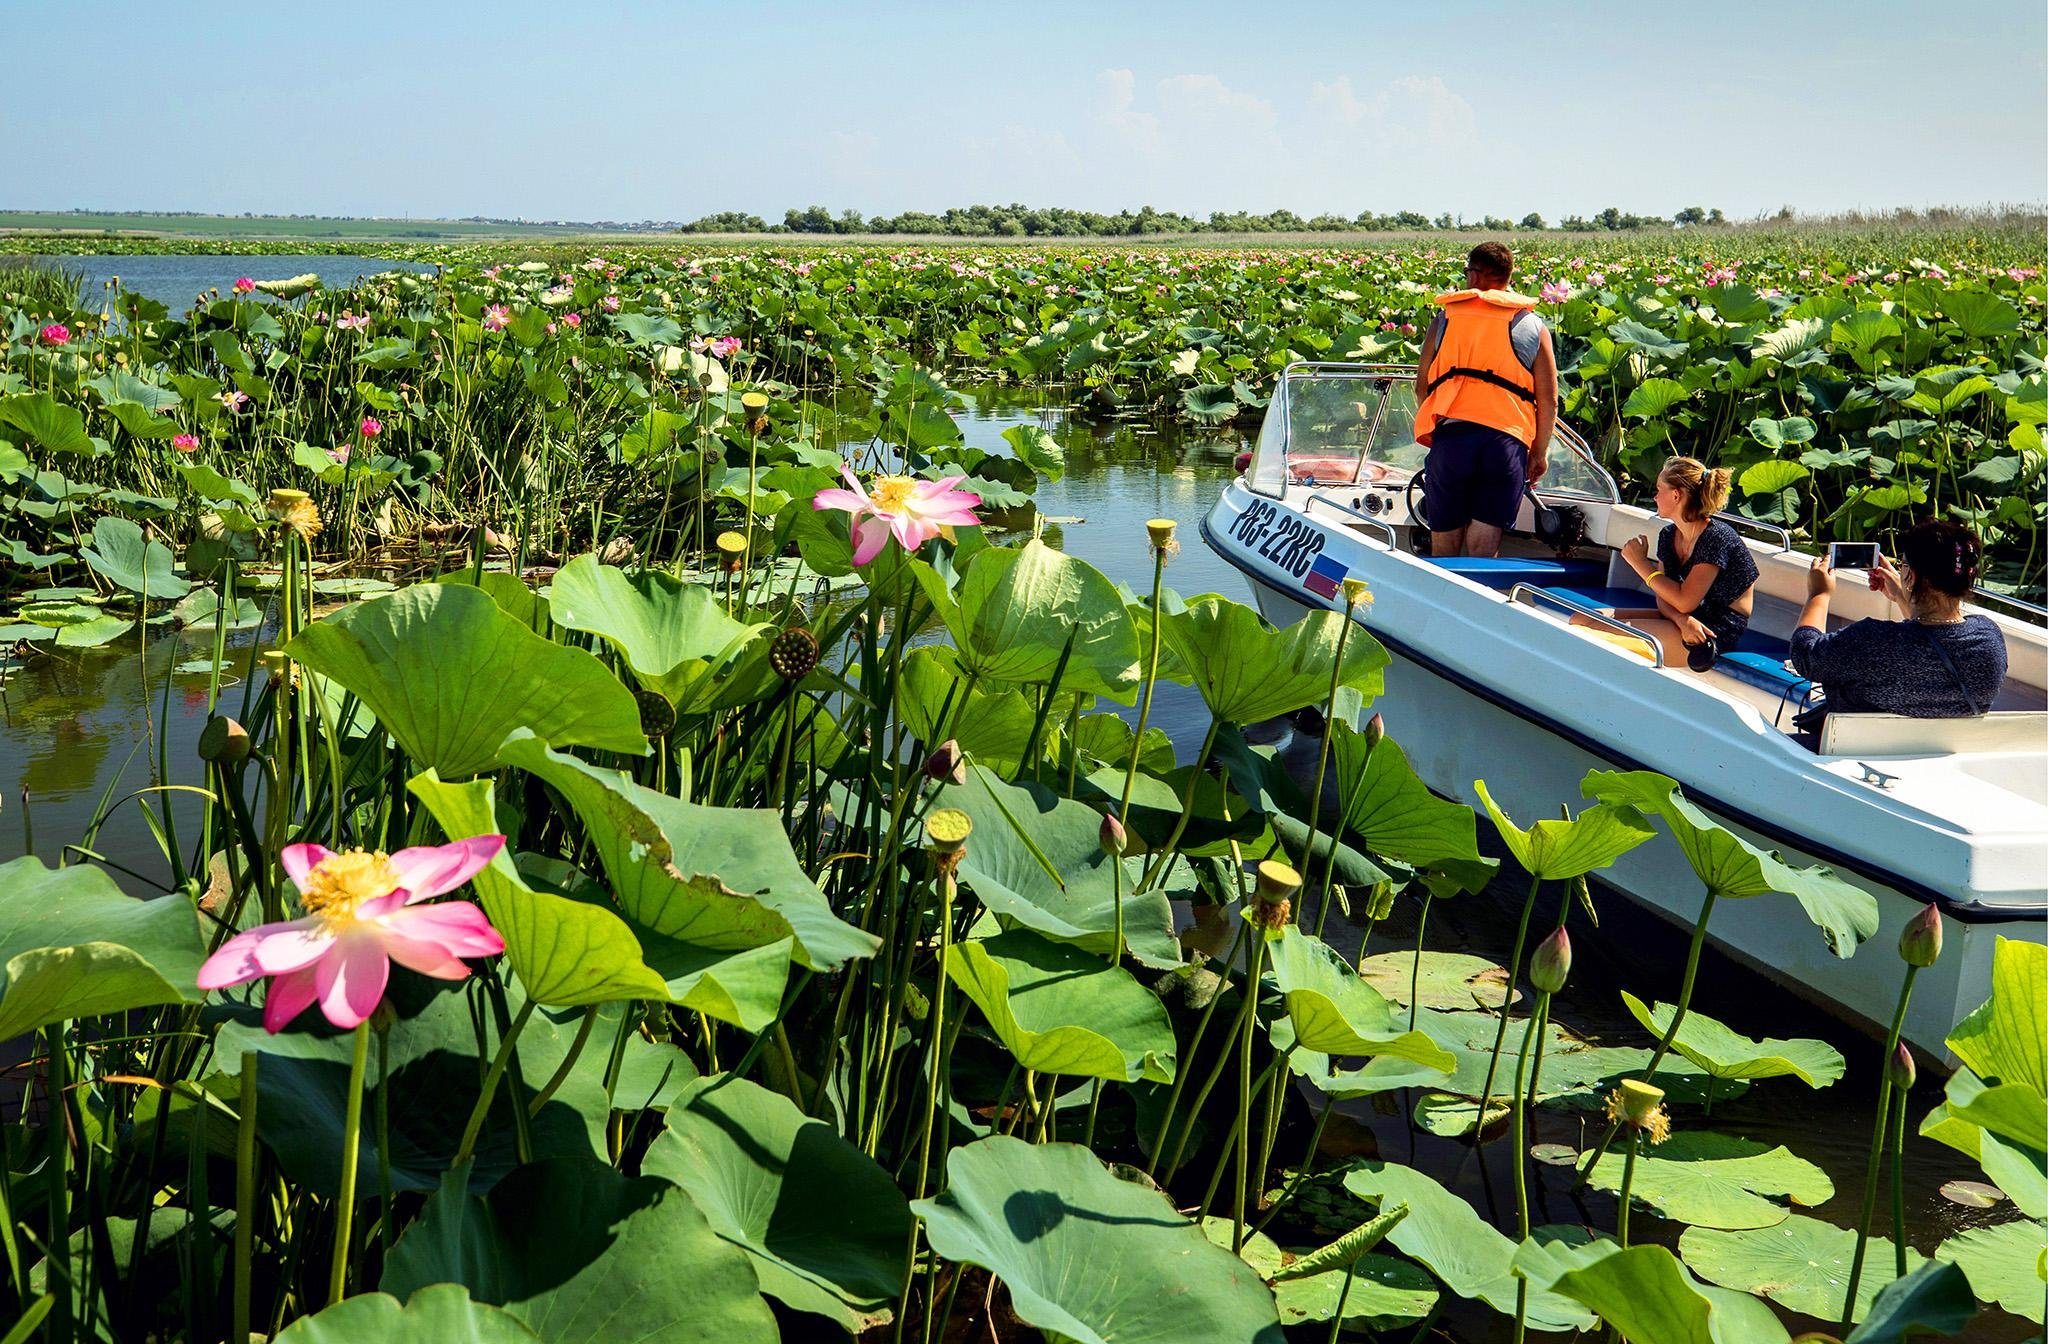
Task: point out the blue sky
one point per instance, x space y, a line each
632 111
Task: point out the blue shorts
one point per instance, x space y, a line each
1474 474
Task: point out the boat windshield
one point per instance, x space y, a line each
1355 425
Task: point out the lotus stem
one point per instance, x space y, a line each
1415 967
1876 1159
1180 1075
57 1129
1898 1182
1151 679
1344 1295
1301 1173
1518 1108
561 1073
351 1145
1507 1001
1628 1179
1156 868
245 1198
474 1128
1315 793
1244 1095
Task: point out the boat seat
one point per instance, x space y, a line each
1604 599
1756 660
1505 571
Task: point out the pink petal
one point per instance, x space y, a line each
350 979
435 870
930 490
235 963
426 958
289 996
456 927
298 860
291 947
870 535
840 499
912 533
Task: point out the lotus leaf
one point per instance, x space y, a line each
122 555
441 1312
2003 1264
1730 866
73 945
449 675
1449 981
1247 672
1335 1012
992 723
676 636
1716 1180
1459 1247
1088 1257
1062 1011
825 1227
1017 612
49 422
1384 1293
1724 1053
1801 1263
1389 807
1934 1299
611 1265
1646 1294
2006 1039
1556 850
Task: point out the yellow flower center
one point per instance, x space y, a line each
338 885
891 493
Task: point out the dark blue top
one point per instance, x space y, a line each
1720 545
1890 667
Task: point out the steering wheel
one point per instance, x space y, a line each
1413 497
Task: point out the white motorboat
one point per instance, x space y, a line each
1493 679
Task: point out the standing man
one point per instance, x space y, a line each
1487 385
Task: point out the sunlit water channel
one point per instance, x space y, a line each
81 731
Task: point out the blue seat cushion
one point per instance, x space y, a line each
1505 571
1601 599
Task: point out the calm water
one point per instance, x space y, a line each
81 729
175 281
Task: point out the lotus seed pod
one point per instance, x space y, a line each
1375 730
1115 841
946 831
1273 897
1640 1102
793 653
1900 1068
1552 962
1920 943
947 764
1161 532
1356 592
657 715
223 739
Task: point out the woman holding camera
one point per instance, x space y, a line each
1703 575
1936 663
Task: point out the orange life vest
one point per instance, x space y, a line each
1476 376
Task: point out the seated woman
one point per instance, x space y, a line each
1704 576
1936 663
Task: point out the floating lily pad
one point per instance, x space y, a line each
1973 1194
1449 981
1802 1264
1716 1180
2003 1264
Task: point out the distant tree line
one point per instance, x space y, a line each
1023 221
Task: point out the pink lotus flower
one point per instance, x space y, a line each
914 511
244 285
611 303
339 454
362 913
496 316
352 321
234 400
56 334
491 272
185 443
371 427
1556 291
572 320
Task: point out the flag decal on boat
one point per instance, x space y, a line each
1324 576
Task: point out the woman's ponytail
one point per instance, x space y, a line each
1706 492
1714 492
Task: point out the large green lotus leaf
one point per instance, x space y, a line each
1034 860
1018 609
1389 807
2003 1264
826 1228
435 1079
1934 1299
74 946
1728 865
2006 1039
513 597
1725 1053
565 952
449 675
676 636
583 1254
1385 1293
1717 1180
1246 671
720 878
56 426
992 727
1448 981
1445 1233
1335 1012
1646 1294
1384 1073
441 1312
1062 1011
1801 1263
1556 850
123 556
1088 1257
1982 316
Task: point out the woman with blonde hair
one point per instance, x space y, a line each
1703 577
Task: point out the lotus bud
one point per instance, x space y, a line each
1920 943
947 764
945 832
223 740
1355 592
1273 897
1115 841
793 653
1551 962
1900 1069
1375 730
